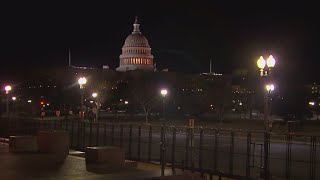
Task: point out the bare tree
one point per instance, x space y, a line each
103 90
218 93
143 89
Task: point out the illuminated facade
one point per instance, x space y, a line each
136 52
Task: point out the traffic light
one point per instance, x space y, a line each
41 102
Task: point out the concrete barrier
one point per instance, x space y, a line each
55 143
23 144
106 154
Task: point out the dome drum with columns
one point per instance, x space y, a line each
136 52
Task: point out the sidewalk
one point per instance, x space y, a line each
38 166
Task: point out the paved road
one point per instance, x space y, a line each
300 151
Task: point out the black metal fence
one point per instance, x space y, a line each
234 154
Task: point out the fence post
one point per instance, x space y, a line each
150 143
121 135
60 123
32 127
84 135
174 131
162 151
248 154
39 125
288 156
266 155
105 134
139 141
211 176
231 153
130 140
72 133
90 134
313 158
200 149
216 144
112 134
28 127
66 124
36 124
97 134
187 149
191 135
78 141
253 154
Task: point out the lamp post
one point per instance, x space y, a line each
14 104
269 88
7 88
164 92
265 67
315 108
82 81
95 95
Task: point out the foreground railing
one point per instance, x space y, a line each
234 154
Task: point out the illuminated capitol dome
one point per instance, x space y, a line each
136 52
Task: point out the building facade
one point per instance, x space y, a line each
136 52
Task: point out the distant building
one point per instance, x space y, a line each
136 52
313 92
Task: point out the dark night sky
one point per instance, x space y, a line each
183 36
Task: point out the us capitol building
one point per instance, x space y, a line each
136 52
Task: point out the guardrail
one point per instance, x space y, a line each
228 153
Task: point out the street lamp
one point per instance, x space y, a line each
311 103
315 108
14 104
269 88
265 67
82 81
95 95
164 92
7 88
